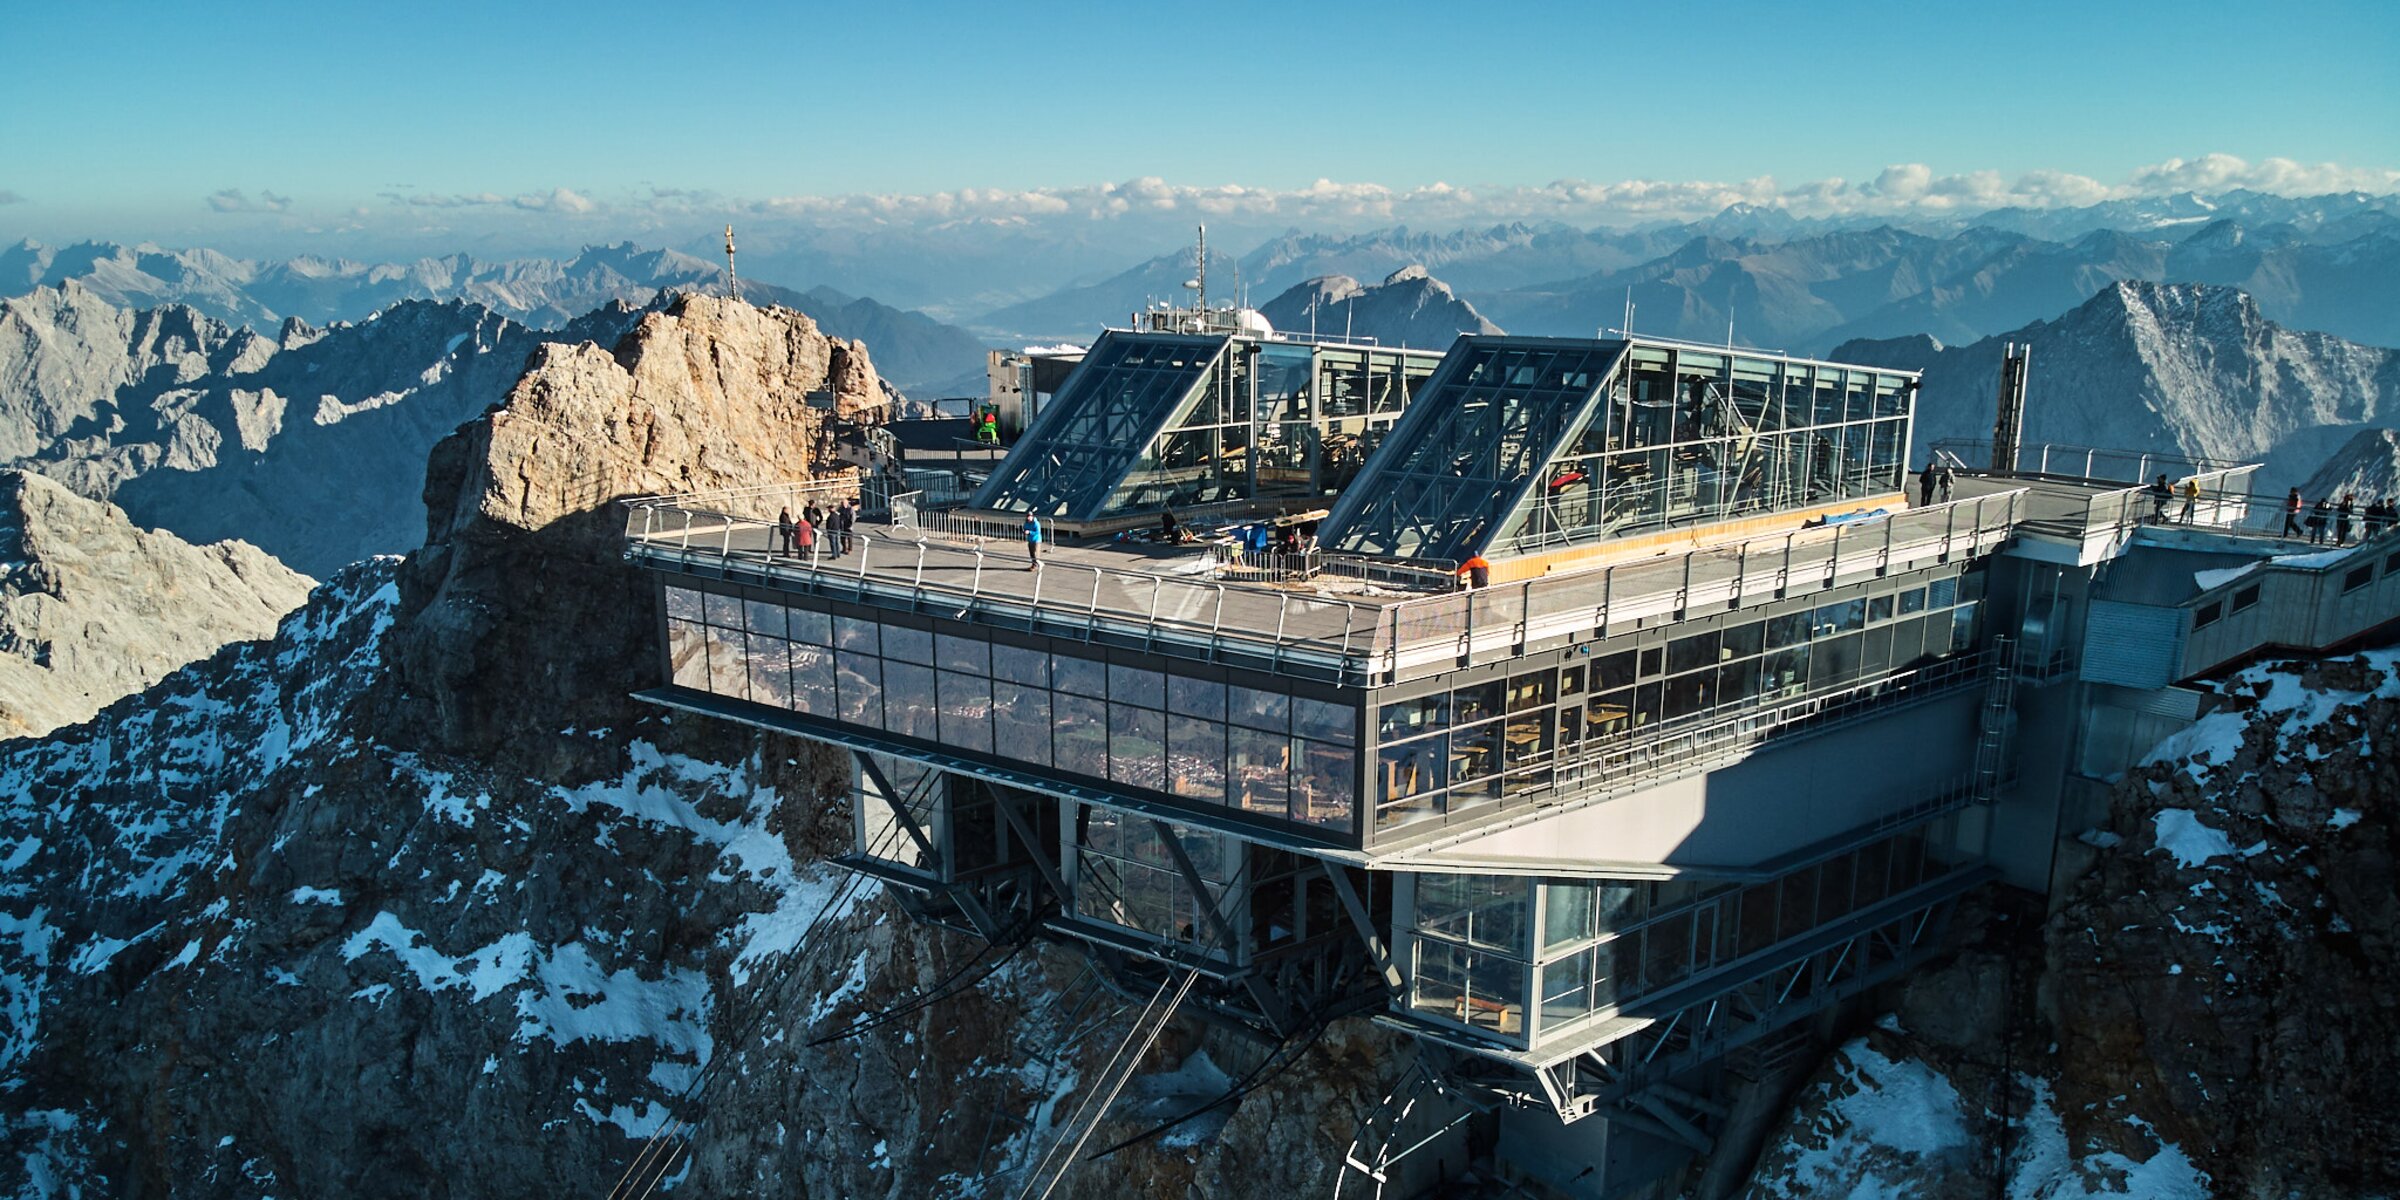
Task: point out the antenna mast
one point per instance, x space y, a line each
733 283
1203 275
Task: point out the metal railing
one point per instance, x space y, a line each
763 501
1361 641
2096 464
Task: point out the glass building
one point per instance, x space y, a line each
1528 445
1159 420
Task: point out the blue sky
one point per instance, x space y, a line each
126 119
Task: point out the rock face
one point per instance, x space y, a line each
309 443
414 900
1409 308
2180 369
2207 1011
92 608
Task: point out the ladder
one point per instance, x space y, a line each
1997 722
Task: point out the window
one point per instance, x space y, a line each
2358 578
2208 614
2245 598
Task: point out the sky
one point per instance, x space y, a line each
233 124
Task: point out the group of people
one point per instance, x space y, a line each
2375 519
817 533
1934 479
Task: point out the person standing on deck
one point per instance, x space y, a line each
2191 499
2316 522
784 533
1033 541
805 539
2160 493
1949 480
2291 514
1477 571
2341 523
1927 480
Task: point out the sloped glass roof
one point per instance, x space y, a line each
1089 435
1464 455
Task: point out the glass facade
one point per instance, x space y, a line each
1156 421
1535 959
1486 425
1125 876
1256 749
1481 743
1529 445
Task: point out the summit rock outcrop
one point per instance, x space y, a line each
1409 308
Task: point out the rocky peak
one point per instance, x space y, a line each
93 608
708 393
1410 307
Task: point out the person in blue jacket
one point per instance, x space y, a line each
1033 541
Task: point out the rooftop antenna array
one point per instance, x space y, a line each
733 283
1198 283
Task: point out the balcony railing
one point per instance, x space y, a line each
1360 640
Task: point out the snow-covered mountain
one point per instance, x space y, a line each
416 900
92 608
2182 368
2367 467
543 293
1409 308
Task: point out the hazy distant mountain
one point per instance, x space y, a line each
1496 258
1076 313
539 292
2187 368
1409 308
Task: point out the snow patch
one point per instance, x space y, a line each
2181 834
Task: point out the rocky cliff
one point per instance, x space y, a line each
2206 1011
415 901
1409 308
2367 466
92 608
2181 369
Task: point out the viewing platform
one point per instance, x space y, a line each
1339 627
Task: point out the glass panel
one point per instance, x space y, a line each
966 711
1481 910
812 680
1567 988
1021 721
970 655
810 626
1134 685
1323 720
1196 697
904 645
1087 439
727 675
1413 768
858 684
1137 749
770 668
1020 665
1261 771
908 699
1567 914
855 634
683 604
1081 676
723 611
1080 734
1196 758
687 655
765 617
1328 784
1407 718
1261 709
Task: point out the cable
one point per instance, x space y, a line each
949 986
1241 1087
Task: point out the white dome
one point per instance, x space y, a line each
1253 322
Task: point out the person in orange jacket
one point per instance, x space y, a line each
1477 571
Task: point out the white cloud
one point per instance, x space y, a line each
234 200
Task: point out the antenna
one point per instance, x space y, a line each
733 283
1202 277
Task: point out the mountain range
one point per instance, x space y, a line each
926 355
1409 308
2185 369
1802 289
